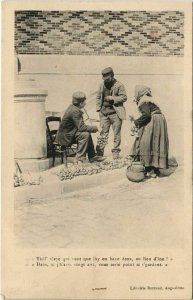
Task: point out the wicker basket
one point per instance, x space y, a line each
135 172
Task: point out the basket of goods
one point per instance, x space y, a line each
135 172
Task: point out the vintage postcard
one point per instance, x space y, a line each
96 149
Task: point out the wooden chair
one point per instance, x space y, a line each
55 147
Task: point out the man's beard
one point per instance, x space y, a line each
108 84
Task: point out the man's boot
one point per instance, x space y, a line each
115 155
99 151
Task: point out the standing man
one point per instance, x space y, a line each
72 129
109 104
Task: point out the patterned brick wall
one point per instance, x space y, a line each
129 33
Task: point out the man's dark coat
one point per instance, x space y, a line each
72 122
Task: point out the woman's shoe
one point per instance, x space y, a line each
150 174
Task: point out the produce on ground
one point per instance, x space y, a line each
77 170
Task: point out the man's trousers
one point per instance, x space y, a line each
84 145
116 123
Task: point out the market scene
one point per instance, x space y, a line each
99 148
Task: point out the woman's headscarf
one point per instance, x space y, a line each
140 91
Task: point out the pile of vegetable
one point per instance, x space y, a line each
94 168
21 179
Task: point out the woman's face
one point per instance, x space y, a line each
144 98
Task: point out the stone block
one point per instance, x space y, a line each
33 165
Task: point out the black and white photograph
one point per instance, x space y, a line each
101 107
111 84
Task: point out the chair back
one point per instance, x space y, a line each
49 124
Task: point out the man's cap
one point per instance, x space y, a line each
78 97
107 71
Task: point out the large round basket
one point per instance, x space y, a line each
135 172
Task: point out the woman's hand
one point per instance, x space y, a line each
131 118
134 131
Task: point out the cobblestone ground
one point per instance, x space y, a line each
120 214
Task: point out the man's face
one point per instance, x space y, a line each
82 104
108 78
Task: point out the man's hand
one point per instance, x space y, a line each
95 129
109 98
131 118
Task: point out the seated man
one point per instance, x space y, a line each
72 129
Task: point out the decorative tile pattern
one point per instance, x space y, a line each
129 33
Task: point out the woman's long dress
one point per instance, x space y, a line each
152 144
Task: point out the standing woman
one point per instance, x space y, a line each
152 144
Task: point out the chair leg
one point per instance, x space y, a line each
62 154
65 157
53 157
